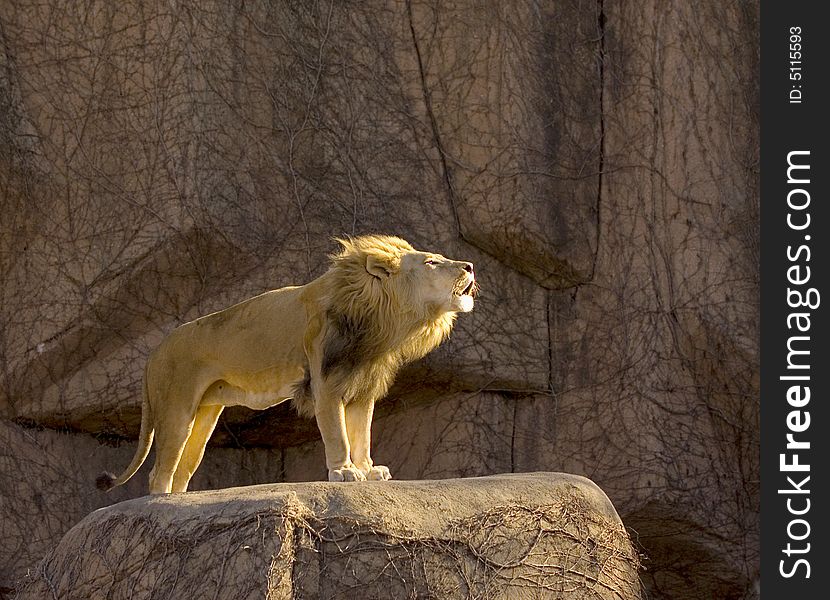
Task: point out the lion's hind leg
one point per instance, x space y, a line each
170 443
175 416
194 449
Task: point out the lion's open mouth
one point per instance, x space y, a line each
470 289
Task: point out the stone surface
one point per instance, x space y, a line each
658 356
191 201
535 535
47 484
459 435
597 161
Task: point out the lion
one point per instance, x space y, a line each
333 345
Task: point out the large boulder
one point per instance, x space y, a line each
47 485
538 535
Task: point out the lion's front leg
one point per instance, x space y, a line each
331 419
359 428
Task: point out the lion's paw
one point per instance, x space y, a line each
346 474
379 473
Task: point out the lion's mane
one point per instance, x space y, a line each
373 324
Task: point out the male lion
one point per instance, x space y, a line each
334 345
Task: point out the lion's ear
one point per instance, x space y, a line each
378 267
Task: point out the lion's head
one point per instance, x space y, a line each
384 304
386 271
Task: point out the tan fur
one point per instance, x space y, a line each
334 345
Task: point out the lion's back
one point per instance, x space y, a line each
250 335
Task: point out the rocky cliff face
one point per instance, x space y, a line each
597 162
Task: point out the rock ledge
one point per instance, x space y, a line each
533 535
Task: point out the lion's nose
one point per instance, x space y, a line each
468 267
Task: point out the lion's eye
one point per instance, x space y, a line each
430 262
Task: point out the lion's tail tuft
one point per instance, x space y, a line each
105 481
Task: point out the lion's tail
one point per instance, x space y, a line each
106 481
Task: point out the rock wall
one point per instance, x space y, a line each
597 161
45 481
